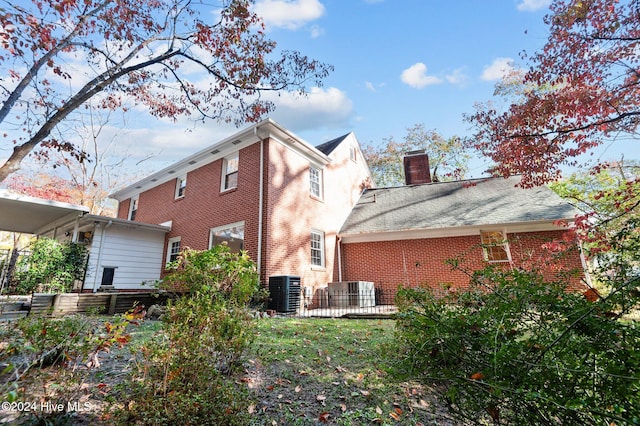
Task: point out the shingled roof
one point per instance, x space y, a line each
445 205
327 147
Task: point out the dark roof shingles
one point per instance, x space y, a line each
454 204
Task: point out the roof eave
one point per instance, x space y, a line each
453 231
267 128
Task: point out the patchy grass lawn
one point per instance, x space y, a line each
332 371
298 372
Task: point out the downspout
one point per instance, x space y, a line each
76 227
99 260
260 200
338 241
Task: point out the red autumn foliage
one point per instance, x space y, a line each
582 89
58 55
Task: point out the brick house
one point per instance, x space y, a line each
310 212
404 235
263 190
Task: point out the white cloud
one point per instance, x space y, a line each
457 77
498 69
316 31
532 5
289 14
321 108
372 86
416 76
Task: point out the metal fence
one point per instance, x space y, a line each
348 303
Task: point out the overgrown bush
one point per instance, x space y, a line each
187 374
52 267
46 361
517 349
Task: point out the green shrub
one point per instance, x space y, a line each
517 349
52 267
187 374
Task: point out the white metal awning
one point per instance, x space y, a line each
20 213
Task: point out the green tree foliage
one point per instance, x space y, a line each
526 352
448 158
519 348
187 374
52 267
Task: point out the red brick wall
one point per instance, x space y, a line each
290 212
203 206
421 262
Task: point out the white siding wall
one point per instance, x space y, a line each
135 253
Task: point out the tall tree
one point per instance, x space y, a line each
58 54
582 89
448 158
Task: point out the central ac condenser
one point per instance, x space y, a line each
351 293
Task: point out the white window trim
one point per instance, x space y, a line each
320 182
505 244
179 181
322 249
223 178
170 242
135 200
222 228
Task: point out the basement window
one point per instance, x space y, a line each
495 246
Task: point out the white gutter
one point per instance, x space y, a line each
99 260
261 200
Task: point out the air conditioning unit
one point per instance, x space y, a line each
352 293
284 293
322 297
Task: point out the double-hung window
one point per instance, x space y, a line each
133 208
315 182
231 235
317 248
230 172
495 246
181 186
173 249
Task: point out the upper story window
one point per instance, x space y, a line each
231 235
181 186
353 153
230 172
315 181
133 208
173 249
495 246
317 248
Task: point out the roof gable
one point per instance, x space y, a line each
446 205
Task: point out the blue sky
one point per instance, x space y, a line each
397 63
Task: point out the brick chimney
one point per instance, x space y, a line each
416 168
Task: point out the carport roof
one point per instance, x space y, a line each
21 213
